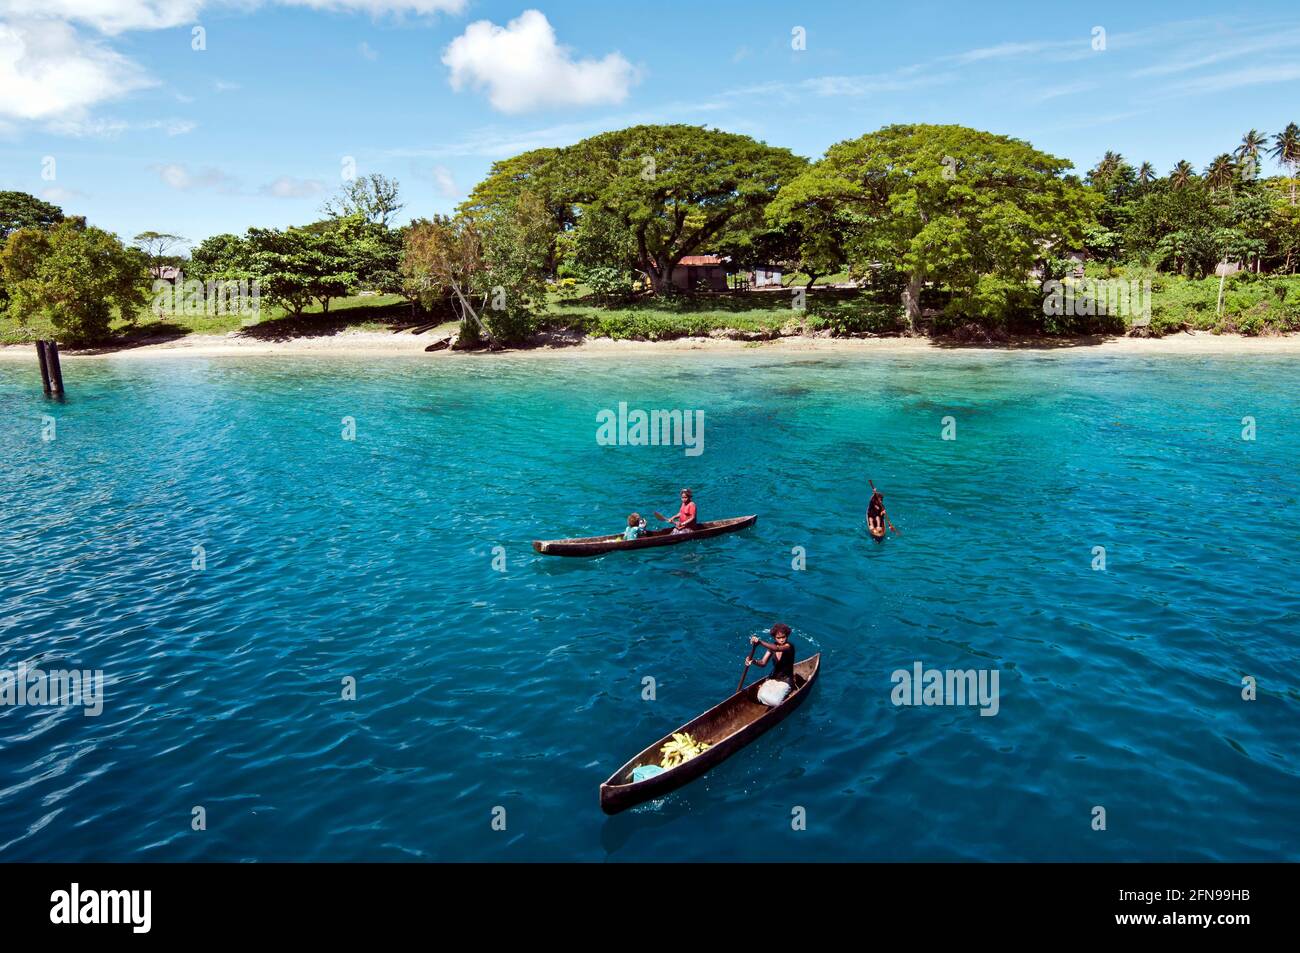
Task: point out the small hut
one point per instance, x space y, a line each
701 273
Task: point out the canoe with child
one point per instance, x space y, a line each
700 744
682 527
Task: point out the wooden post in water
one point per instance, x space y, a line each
51 373
56 372
45 367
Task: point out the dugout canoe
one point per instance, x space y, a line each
728 727
595 545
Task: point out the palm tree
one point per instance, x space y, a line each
1110 163
1182 174
1220 173
1286 150
1146 173
1251 143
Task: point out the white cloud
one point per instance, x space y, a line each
118 16
380 7
368 51
445 182
108 16
57 194
1250 76
108 128
523 67
179 177
47 71
287 187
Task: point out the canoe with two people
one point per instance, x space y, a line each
683 522
683 527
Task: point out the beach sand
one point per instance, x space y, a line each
387 344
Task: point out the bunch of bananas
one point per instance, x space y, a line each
681 749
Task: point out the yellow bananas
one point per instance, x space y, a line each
681 749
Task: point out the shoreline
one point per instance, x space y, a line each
389 344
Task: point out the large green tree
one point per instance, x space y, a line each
296 265
946 204
546 175
72 276
20 210
679 190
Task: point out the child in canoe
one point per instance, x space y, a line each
684 521
876 515
635 526
780 683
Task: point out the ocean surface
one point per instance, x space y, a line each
202 533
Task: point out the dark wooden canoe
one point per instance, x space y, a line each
728 727
595 545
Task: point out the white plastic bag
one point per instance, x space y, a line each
772 692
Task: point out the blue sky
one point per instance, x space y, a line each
108 110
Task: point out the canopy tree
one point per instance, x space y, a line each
679 190
73 276
375 197
296 265
946 204
20 210
219 256
544 174
160 248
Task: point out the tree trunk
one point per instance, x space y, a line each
912 299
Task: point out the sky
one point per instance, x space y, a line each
198 117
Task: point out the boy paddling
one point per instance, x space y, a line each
782 653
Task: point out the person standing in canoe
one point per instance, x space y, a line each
782 652
684 521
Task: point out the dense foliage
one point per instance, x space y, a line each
70 278
940 228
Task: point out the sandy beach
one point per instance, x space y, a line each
388 344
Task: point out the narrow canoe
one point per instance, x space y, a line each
728 727
595 545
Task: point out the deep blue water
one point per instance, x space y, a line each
373 559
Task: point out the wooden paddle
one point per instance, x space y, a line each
888 521
745 671
661 518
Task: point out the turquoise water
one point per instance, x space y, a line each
521 689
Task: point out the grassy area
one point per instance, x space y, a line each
757 313
1252 304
